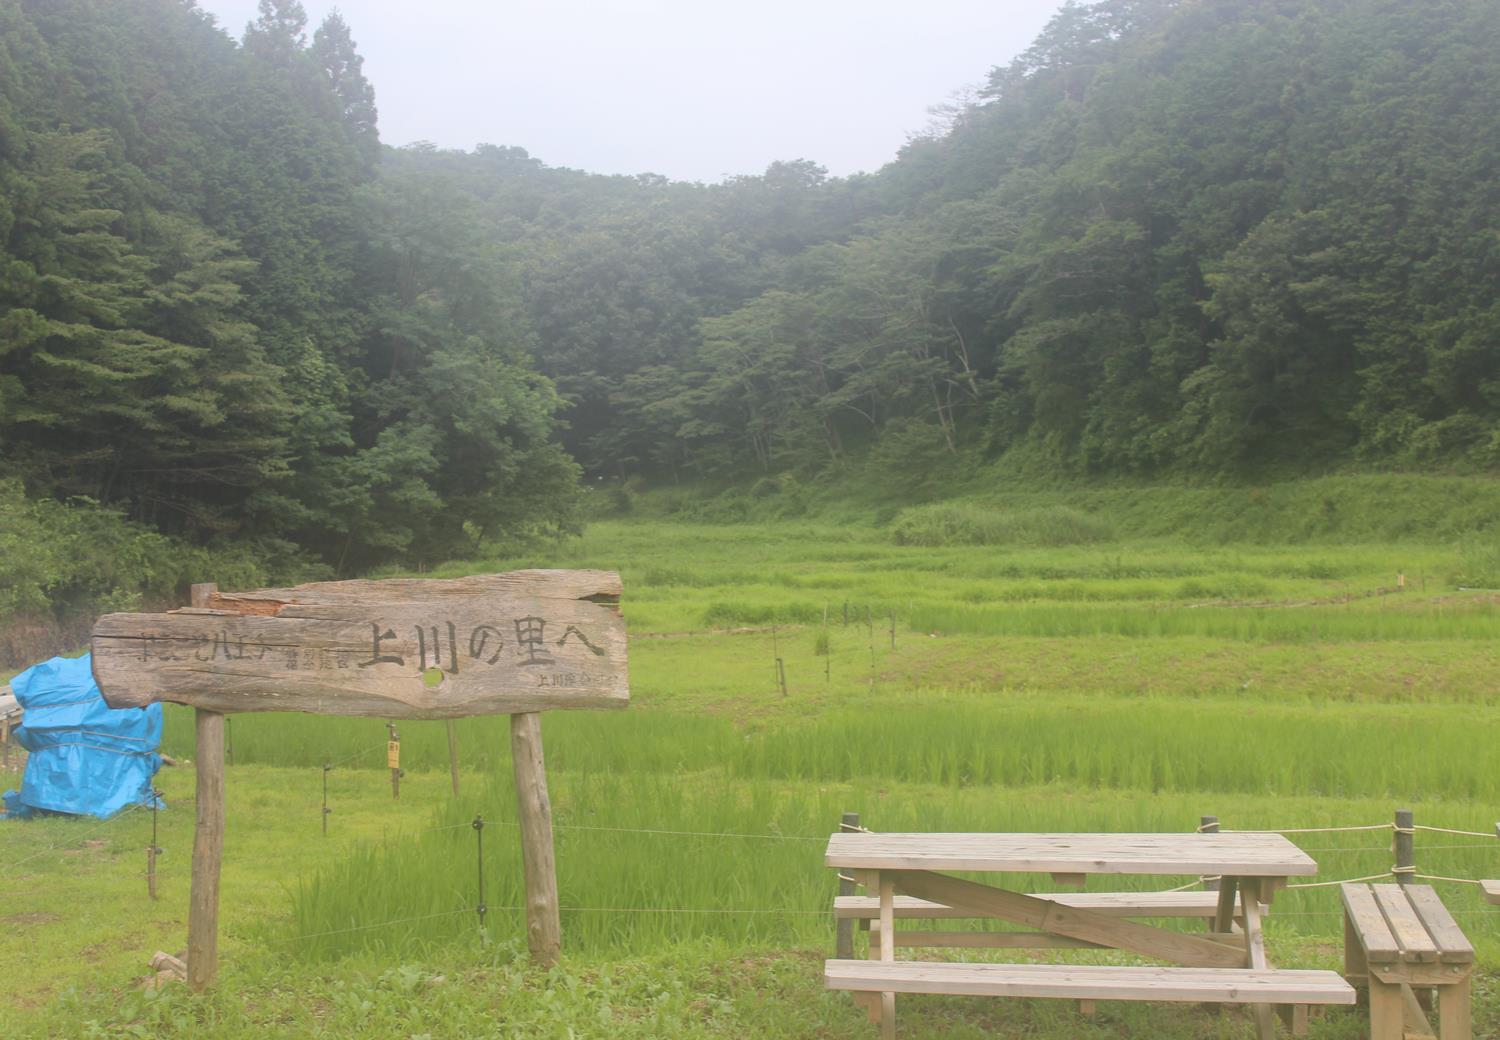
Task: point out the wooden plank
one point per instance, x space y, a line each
1491 890
1369 924
1021 940
1242 855
1406 926
1453 946
1420 975
543 924
992 941
1355 968
1116 904
397 649
1091 982
1048 916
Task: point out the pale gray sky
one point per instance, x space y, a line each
693 89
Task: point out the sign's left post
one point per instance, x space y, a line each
208 836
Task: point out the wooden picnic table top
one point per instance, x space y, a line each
1234 855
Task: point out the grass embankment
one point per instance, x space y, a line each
1132 683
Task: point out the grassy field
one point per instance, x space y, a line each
1093 674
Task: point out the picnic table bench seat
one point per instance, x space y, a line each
1491 891
1091 982
1402 943
1115 904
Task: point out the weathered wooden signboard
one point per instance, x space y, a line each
516 644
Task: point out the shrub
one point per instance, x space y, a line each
64 564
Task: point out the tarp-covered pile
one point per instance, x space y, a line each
86 758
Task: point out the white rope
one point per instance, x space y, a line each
1319 830
645 830
1349 881
574 909
1449 830
1455 880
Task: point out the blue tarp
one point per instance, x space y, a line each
86 758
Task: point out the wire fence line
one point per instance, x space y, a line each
778 911
106 825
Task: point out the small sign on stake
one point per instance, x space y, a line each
517 644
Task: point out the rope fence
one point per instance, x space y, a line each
1403 832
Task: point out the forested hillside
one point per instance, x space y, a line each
1186 237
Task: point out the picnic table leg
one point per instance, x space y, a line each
887 952
1224 915
1255 952
1387 1013
1455 1014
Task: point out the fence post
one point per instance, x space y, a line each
1404 844
1209 825
844 947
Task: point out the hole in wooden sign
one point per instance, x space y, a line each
432 677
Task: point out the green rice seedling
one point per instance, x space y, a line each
650 862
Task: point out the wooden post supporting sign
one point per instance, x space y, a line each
543 923
208 835
516 644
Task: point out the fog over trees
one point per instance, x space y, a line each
1171 237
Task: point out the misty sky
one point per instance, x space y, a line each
694 89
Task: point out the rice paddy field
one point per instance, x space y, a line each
1069 663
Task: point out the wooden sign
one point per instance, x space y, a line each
399 649
516 643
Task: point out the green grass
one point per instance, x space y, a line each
1235 652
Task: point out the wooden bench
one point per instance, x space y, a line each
1091 982
866 910
1491 891
1401 943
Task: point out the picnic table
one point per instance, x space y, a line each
906 873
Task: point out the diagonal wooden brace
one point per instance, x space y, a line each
1044 915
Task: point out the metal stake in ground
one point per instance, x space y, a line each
393 758
326 767
480 907
152 851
